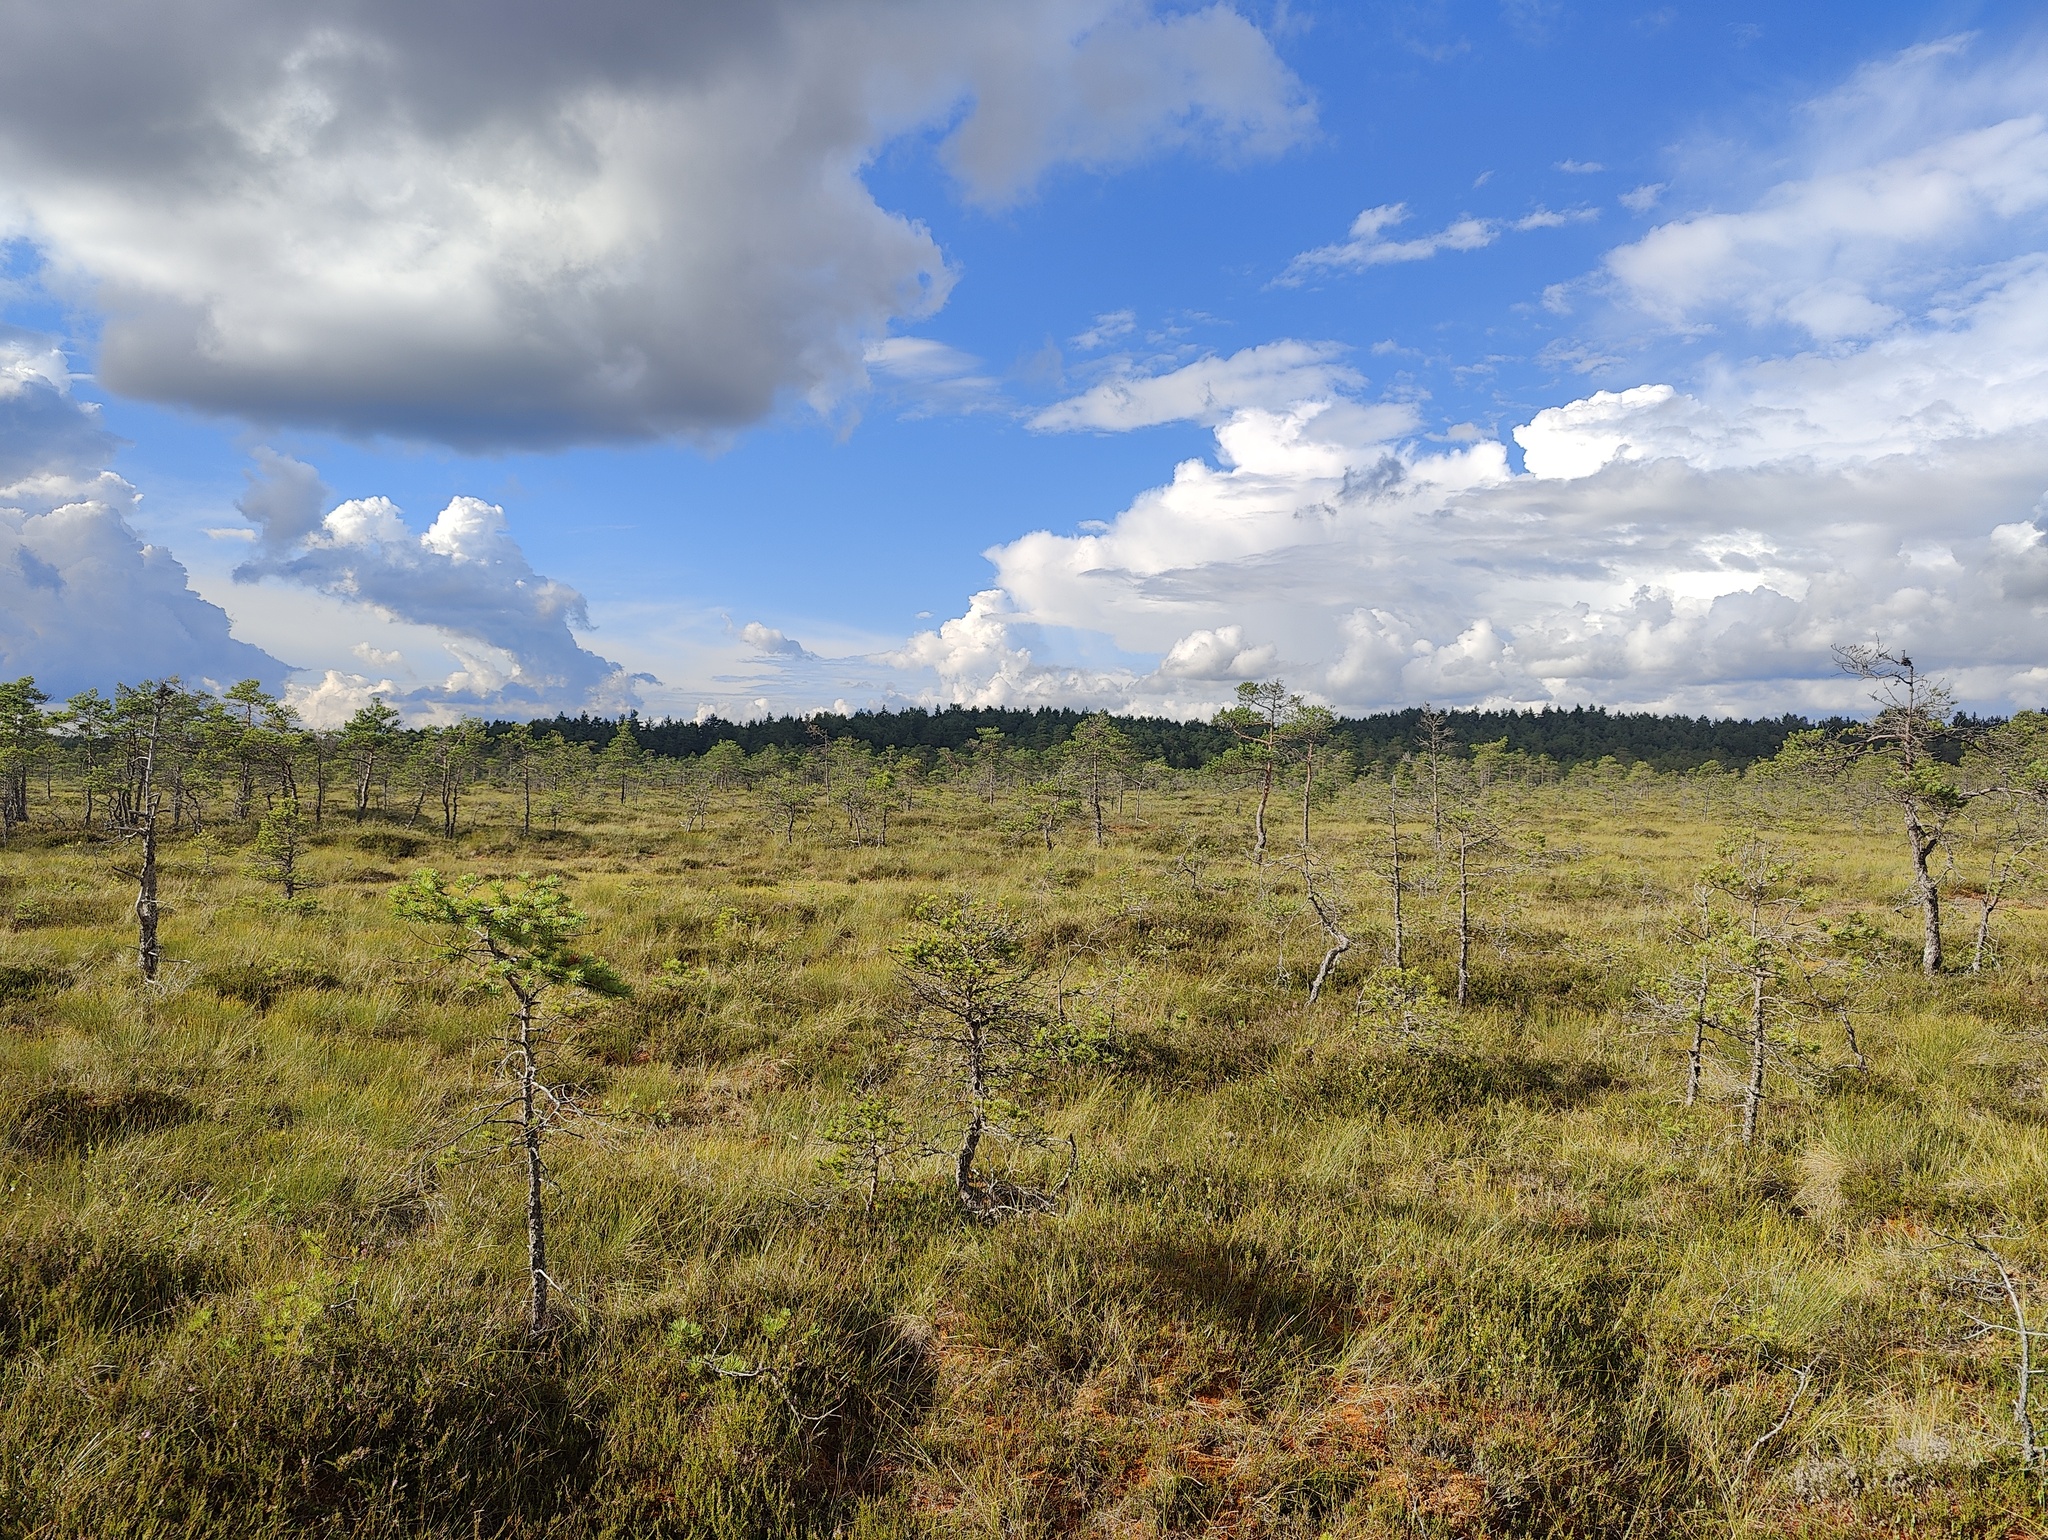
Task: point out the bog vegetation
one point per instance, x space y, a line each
464 1132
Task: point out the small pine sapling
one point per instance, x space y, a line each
977 1022
1403 1008
279 850
869 1135
1761 951
787 800
1682 1003
1043 810
521 937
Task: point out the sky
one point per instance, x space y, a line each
789 355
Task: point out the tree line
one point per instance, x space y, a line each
1567 736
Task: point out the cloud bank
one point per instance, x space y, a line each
84 602
613 221
1693 545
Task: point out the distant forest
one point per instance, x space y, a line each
1579 735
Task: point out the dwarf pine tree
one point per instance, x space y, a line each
521 937
978 1024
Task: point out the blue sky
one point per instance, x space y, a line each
1492 352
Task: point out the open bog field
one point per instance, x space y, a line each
1380 1265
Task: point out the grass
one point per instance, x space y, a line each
1306 1282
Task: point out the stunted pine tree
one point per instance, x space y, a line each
787 800
2014 842
521 938
87 723
1471 837
1754 894
245 701
518 756
279 849
1435 745
1681 1005
1309 737
1901 745
1326 902
990 764
2013 755
978 1022
622 758
561 768
1259 722
370 740
1096 756
456 755
149 718
24 738
1044 808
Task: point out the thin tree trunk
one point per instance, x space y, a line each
963 1163
1696 1055
526 781
1259 818
530 1137
149 803
1753 1097
977 1096
1464 925
1930 896
1394 838
1339 945
147 947
1983 934
1308 786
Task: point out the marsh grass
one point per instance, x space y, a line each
1305 1282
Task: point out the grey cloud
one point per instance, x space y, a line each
548 224
285 500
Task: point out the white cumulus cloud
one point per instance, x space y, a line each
511 629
